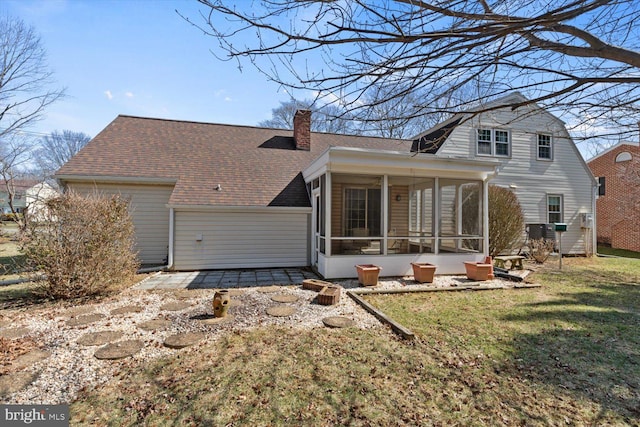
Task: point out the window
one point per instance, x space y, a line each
625 156
544 147
362 212
601 185
554 208
502 143
493 142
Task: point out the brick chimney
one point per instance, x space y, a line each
302 129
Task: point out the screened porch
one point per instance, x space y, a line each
428 214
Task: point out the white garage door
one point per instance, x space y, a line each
241 239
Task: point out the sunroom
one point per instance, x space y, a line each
392 208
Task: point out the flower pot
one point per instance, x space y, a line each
478 271
221 302
423 272
368 274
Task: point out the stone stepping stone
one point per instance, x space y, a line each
338 322
14 332
77 311
183 340
14 382
85 319
207 319
183 294
30 358
235 292
284 298
119 350
127 309
99 338
281 311
155 325
269 289
4 323
175 306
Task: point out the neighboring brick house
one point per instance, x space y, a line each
618 203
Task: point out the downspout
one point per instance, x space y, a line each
171 239
594 225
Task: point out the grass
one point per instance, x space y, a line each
608 250
567 353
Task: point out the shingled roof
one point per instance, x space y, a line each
253 166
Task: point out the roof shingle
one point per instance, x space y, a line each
253 166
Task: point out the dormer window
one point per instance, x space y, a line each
493 142
544 147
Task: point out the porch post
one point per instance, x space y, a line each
458 215
485 215
385 211
436 215
328 194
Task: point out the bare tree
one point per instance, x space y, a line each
328 118
14 155
579 58
25 93
58 148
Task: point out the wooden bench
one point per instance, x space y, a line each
515 262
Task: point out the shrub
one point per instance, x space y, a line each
540 249
506 220
84 246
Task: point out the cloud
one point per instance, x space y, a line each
108 94
128 94
227 98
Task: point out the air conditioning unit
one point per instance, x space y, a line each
541 231
586 220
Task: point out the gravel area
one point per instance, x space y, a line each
72 366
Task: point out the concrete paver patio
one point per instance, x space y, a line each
226 278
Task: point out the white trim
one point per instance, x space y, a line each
363 161
172 231
136 180
220 208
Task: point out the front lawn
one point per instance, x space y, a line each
564 354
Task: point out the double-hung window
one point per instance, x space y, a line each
544 147
493 142
554 208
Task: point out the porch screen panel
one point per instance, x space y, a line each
427 212
448 209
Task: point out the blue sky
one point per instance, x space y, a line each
139 58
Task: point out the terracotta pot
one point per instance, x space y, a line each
221 302
368 274
478 271
423 272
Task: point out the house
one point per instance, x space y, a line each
28 195
208 196
618 204
538 160
213 196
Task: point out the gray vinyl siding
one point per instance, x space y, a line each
240 239
530 178
149 212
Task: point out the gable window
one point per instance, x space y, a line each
554 208
493 142
544 147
